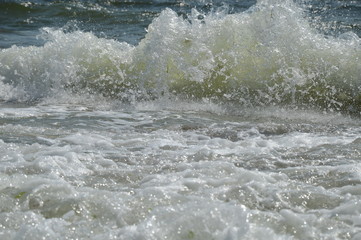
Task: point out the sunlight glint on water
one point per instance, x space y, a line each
219 123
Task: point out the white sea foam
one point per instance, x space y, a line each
266 55
156 173
186 164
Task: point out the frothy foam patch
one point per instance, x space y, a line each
177 175
266 55
66 61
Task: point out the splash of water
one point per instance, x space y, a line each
266 55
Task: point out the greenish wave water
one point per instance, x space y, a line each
267 55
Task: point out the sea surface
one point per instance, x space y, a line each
180 119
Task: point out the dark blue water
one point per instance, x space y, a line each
20 21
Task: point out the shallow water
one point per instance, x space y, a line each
200 172
216 122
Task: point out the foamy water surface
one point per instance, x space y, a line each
220 122
200 172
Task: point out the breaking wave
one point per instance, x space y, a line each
267 55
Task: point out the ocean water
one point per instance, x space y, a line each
180 119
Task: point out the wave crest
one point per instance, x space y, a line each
268 54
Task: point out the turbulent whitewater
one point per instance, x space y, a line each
266 55
180 120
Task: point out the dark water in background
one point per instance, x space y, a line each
180 119
120 20
20 21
